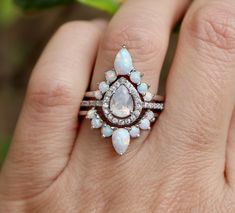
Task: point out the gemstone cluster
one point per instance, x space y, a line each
126 103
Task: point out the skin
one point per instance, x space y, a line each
185 164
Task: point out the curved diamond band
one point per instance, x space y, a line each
122 105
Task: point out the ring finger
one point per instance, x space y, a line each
144 27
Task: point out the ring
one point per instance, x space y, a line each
122 105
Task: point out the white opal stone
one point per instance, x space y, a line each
135 77
98 95
134 132
121 103
96 123
121 140
148 96
150 115
103 87
145 124
142 88
106 131
123 62
91 113
111 76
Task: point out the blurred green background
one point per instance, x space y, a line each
25 28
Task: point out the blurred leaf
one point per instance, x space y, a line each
109 6
40 4
8 11
4 145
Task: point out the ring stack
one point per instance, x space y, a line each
123 105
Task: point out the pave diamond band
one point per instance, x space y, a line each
123 105
91 103
145 105
91 94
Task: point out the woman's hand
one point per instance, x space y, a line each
187 162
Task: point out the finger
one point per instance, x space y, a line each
144 27
47 125
200 90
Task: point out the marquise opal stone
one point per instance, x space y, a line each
123 62
121 140
121 103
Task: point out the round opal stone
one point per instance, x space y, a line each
134 132
150 115
148 96
103 87
91 113
145 124
106 131
135 77
123 62
98 94
121 140
110 76
96 123
142 88
121 103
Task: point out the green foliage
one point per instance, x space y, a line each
40 4
109 6
8 12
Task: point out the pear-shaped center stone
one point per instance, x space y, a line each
121 103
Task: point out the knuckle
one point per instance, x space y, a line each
43 97
144 43
214 25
